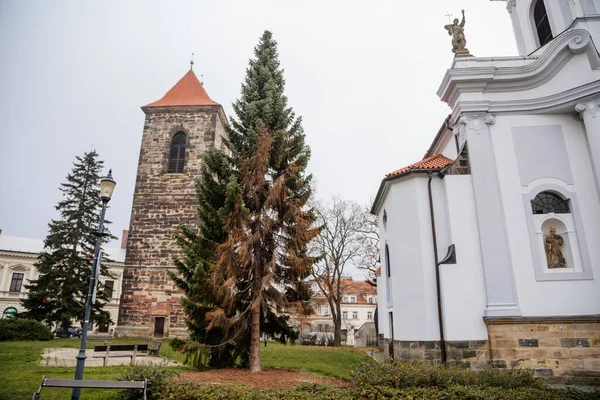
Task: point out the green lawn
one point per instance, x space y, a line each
20 373
329 361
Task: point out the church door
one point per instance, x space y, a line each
159 327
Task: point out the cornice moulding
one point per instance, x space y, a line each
560 102
496 78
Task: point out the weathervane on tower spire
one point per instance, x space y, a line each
192 62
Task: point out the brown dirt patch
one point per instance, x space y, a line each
267 379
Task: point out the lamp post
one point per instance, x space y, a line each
107 186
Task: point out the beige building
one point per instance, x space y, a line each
358 306
17 258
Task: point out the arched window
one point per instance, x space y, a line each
387 261
542 24
549 202
384 220
177 154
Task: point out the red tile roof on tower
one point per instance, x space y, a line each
187 92
436 161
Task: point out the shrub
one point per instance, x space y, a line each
176 344
157 376
306 391
311 391
399 374
23 329
470 393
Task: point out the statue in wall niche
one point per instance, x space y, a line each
457 31
554 254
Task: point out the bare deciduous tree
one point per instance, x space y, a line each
337 246
368 260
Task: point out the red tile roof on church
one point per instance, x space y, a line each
187 92
436 161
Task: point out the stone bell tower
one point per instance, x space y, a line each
178 129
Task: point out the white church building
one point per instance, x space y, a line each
490 244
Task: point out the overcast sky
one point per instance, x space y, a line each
363 74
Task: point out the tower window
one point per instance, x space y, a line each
177 154
549 202
542 24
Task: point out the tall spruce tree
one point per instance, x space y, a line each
249 262
65 264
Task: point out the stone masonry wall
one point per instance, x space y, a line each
472 353
563 349
161 202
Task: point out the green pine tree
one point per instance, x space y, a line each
65 265
206 349
252 197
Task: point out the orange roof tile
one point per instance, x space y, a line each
187 92
436 161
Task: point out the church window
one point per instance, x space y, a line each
384 219
542 24
387 261
177 153
549 202
16 282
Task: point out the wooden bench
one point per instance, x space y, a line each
120 350
154 345
84 384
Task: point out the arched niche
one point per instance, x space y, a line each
553 205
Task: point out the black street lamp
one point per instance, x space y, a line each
107 186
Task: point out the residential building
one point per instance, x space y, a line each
17 258
359 302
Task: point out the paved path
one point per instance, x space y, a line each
65 357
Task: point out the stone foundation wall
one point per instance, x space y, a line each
564 349
472 353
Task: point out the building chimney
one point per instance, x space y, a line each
123 238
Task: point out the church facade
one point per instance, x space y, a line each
178 129
489 244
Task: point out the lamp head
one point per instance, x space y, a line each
107 186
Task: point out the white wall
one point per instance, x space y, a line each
463 290
408 236
541 298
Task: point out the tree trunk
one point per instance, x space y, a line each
255 341
338 332
337 336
